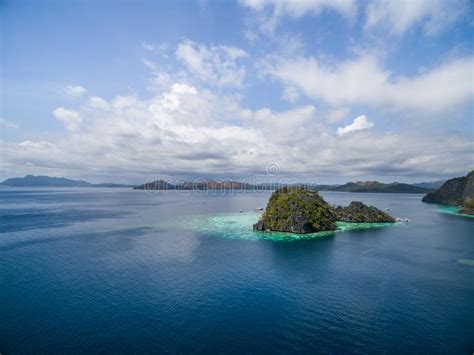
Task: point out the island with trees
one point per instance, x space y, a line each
458 191
302 210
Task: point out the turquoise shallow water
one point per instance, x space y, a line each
453 210
239 226
122 271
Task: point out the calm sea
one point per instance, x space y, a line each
117 270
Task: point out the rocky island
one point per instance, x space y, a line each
301 210
357 212
297 210
468 207
457 192
379 187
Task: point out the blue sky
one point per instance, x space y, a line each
329 91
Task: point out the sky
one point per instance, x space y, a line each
326 91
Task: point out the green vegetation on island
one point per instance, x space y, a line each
357 212
301 210
297 210
456 192
375 186
468 206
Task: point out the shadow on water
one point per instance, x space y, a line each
24 219
124 233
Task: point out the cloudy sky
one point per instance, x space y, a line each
327 90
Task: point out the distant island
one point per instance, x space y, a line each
198 185
433 185
361 186
49 181
457 192
375 186
300 210
226 185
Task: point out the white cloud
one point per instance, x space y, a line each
214 65
171 100
198 131
295 9
395 16
74 91
364 81
7 124
98 103
233 53
123 102
37 144
148 46
71 119
149 64
160 80
399 16
290 94
180 88
183 129
151 47
337 114
286 121
360 122
189 126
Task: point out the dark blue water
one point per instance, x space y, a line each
115 270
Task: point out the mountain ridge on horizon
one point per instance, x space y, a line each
215 184
52 181
225 184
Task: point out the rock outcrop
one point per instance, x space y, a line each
468 207
359 213
297 210
301 210
455 191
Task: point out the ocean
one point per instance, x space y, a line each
116 270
